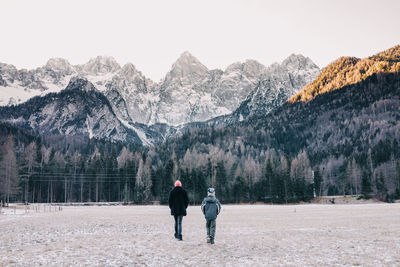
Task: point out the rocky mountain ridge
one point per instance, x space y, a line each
350 70
80 109
189 93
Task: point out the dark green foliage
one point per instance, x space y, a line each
195 183
221 187
239 190
166 181
381 187
382 151
317 182
366 188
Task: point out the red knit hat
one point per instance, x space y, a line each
178 183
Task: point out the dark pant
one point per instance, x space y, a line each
178 225
211 225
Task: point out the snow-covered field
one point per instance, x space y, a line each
258 235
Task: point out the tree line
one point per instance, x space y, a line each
107 172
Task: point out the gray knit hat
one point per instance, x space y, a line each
211 192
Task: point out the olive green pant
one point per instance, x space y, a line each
211 225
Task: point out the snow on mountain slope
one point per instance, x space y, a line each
80 109
279 82
17 86
131 92
182 91
237 81
190 92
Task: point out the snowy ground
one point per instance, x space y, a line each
298 235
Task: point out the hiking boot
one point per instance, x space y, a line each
212 241
180 238
208 239
176 236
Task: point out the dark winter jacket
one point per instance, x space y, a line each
210 207
178 201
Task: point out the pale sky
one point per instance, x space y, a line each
152 34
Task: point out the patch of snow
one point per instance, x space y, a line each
17 93
139 132
89 128
246 235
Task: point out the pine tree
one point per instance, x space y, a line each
381 186
8 171
366 188
167 181
317 181
239 189
221 182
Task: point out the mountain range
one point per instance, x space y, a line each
339 135
133 107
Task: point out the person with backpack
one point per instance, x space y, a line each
178 201
211 208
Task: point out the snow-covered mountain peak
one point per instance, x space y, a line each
129 71
234 67
59 65
129 67
277 84
249 67
254 65
188 93
8 72
101 65
187 65
296 62
187 57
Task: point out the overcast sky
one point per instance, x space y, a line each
152 34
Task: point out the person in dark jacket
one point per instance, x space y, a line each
211 208
178 202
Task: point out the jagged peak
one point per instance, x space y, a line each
129 70
186 54
7 67
104 59
101 64
234 66
129 67
187 64
253 62
294 56
80 83
59 64
57 61
186 57
298 61
249 65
